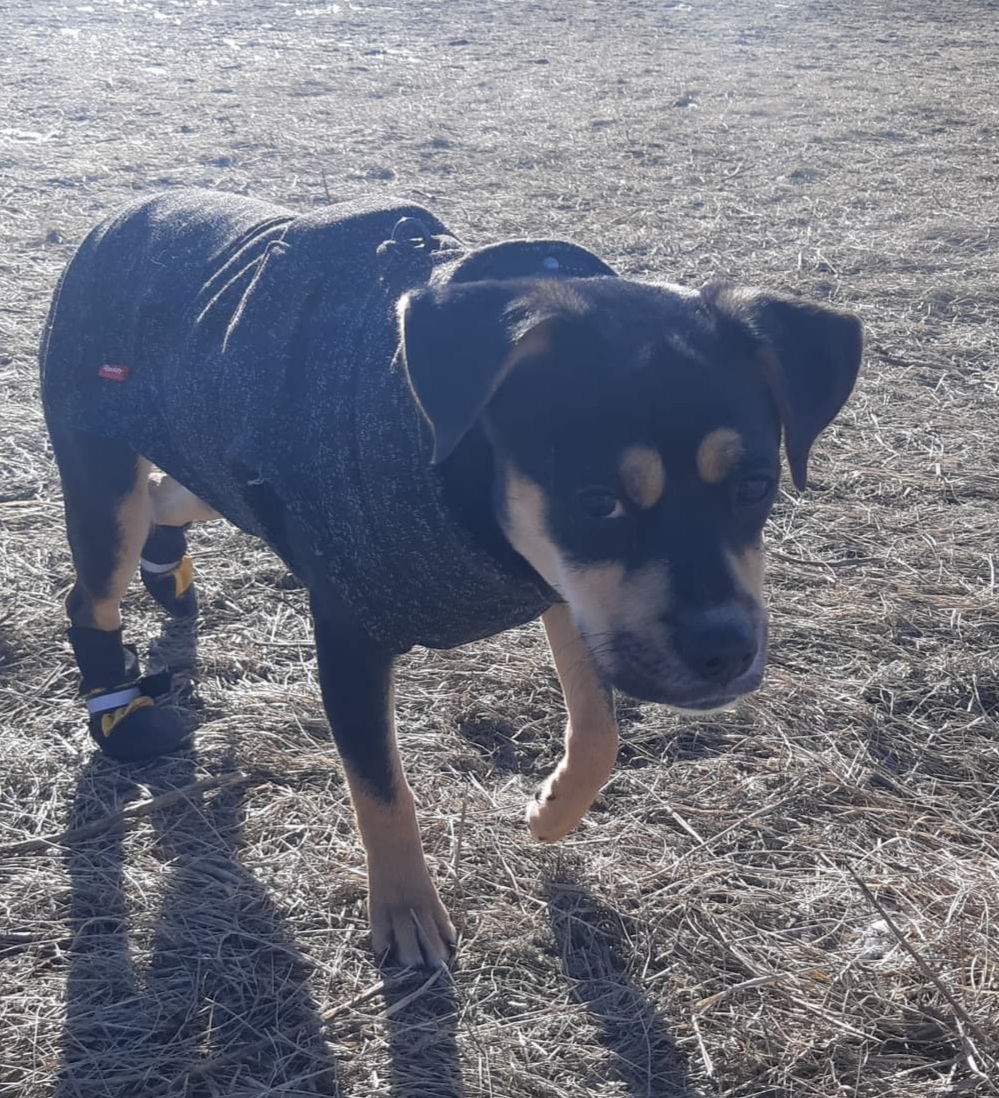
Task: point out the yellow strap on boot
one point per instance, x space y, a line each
183 575
110 720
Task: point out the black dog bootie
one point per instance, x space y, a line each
167 572
123 719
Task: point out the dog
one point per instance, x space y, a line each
441 443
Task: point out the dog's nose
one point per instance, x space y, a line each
718 644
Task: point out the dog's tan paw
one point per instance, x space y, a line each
410 925
554 811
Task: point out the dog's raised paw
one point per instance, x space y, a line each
542 813
552 814
174 588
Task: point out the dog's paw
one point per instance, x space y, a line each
174 590
554 810
143 733
409 924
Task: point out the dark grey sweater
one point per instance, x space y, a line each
259 350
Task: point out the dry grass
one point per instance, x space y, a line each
701 934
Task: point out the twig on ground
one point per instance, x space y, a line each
132 812
981 1053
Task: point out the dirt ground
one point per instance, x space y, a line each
799 898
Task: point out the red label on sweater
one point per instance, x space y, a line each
113 373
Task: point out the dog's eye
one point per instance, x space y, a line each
598 503
752 490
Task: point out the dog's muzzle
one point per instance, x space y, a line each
699 660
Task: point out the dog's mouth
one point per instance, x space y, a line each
655 673
684 696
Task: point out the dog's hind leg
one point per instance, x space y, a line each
590 738
108 516
166 569
408 919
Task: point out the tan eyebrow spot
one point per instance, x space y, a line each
718 454
643 475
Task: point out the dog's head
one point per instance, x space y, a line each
636 432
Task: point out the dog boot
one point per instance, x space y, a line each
167 572
123 719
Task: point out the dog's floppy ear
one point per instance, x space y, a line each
458 343
810 355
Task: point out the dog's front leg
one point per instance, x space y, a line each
590 737
408 919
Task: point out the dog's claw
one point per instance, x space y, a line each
541 795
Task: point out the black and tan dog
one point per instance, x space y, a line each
441 443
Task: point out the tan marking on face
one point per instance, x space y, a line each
718 454
748 569
606 598
527 528
594 592
643 475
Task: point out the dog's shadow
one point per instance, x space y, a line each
210 999
590 939
422 1033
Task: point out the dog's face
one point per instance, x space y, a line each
635 472
636 433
